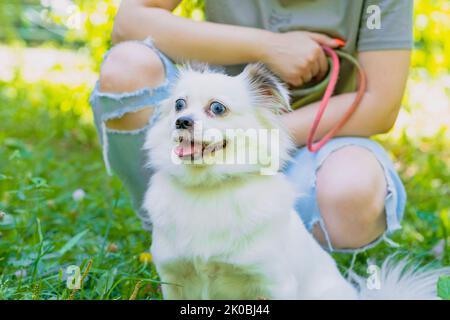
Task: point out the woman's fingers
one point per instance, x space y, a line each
297 57
307 76
323 66
325 40
315 68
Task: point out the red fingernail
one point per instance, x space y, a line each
340 42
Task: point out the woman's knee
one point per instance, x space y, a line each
131 66
351 189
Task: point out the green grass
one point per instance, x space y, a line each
49 149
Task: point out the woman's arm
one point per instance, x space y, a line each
183 39
295 57
387 73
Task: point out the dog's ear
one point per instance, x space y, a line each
268 90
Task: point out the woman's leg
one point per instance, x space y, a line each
351 189
129 67
349 193
134 78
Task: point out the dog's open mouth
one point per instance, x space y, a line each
191 149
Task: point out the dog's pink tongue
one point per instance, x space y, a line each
187 149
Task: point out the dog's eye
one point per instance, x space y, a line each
180 104
217 108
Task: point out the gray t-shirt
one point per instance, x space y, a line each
355 21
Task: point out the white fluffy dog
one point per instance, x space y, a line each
223 217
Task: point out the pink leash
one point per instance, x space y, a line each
314 147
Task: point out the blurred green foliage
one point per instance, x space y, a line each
93 30
431 34
49 149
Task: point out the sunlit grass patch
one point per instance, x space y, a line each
46 156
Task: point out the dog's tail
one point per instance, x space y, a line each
400 280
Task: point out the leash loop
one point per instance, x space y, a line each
333 78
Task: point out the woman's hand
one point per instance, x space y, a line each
297 57
387 73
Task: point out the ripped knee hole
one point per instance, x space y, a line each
131 121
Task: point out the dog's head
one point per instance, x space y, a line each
215 127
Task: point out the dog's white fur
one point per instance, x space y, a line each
228 232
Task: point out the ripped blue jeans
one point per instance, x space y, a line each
123 154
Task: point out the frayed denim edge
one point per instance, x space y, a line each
118 97
118 114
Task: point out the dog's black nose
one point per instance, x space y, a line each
184 123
